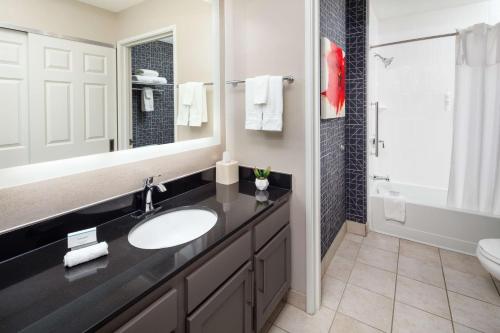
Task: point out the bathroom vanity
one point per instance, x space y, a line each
228 280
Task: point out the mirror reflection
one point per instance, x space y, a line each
82 77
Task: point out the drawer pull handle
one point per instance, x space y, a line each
262 284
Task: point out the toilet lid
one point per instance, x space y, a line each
491 249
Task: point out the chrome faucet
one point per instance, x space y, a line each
386 178
147 193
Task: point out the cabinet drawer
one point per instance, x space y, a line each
161 316
229 309
214 272
266 229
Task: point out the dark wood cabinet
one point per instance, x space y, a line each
229 309
272 275
232 289
161 316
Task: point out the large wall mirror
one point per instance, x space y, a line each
86 77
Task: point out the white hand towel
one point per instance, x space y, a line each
147 72
149 79
184 95
253 112
261 89
75 257
187 93
198 108
394 206
147 100
272 113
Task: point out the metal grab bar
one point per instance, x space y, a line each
376 140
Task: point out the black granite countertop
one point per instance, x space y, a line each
38 294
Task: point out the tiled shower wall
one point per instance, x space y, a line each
343 175
332 131
155 127
355 129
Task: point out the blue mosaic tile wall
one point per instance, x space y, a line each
332 131
355 128
156 127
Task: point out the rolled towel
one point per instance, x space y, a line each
85 254
147 72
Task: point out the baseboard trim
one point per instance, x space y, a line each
297 299
356 228
330 253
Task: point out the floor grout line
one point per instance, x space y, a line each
346 283
395 286
446 290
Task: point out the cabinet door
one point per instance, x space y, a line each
72 98
229 310
272 275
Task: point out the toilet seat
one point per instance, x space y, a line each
490 249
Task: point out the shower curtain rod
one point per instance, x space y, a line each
414 40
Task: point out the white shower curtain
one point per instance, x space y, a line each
475 164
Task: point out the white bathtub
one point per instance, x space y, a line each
429 221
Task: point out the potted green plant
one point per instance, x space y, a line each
261 175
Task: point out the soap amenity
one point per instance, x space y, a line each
85 254
226 171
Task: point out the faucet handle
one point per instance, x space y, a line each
150 180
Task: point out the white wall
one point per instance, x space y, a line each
65 17
267 37
415 121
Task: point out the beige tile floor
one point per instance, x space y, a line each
380 283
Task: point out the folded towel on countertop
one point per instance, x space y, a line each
75 257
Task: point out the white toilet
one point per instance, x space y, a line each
488 253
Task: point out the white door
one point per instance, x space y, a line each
72 98
14 135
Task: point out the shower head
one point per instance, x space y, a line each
386 61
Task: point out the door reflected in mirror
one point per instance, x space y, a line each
83 77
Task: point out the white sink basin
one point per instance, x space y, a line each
173 228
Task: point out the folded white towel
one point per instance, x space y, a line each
253 112
147 72
147 100
75 257
187 95
272 113
184 104
149 79
394 206
198 109
261 89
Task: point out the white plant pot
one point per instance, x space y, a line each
261 184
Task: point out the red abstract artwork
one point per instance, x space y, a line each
333 80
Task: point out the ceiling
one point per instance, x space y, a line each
112 5
384 9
